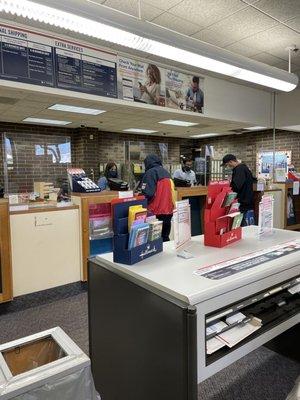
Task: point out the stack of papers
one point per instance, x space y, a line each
213 345
238 333
232 336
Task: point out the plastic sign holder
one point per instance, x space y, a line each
213 221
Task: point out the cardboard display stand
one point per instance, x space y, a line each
121 253
216 217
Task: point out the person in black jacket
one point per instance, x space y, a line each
242 183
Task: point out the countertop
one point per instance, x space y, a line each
176 276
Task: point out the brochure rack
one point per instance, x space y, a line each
214 210
121 254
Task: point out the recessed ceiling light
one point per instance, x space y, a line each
74 109
205 135
46 121
256 128
291 128
178 122
137 130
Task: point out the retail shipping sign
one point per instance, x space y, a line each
41 59
240 264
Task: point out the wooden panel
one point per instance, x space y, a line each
5 253
43 209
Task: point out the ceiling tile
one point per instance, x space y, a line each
243 24
280 9
210 36
294 23
285 66
177 24
273 40
204 13
267 58
240 48
131 7
164 5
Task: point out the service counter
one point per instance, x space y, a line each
45 244
196 196
148 322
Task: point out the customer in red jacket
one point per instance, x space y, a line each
158 187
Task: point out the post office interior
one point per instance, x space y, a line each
88 90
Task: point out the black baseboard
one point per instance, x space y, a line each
37 299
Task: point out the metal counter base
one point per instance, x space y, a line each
149 321
142 344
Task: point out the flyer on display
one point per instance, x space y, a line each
266 216
182 224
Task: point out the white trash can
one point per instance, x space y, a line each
45 366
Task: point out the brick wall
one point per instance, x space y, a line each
247 145
89 147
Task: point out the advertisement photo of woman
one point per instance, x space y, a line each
150 90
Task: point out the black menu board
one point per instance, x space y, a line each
42 60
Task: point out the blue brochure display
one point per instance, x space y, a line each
121 253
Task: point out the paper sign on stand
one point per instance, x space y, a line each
182 227
126 194
296 187
266 216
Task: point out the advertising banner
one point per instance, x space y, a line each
184 91
141 82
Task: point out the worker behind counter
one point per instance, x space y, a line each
185 173
242 183
111 171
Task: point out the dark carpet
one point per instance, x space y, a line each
261 375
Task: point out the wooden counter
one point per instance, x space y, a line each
84 200
191 191
6 293
196 196
43 209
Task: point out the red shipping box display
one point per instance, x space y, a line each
218 220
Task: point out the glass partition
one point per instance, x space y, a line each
33 158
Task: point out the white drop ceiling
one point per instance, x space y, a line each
258 29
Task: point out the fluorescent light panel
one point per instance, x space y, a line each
256 128
85 26
75 109
291 128
46 121
137 130
205 135
177 122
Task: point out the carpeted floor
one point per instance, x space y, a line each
261 375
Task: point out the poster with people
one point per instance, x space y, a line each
184 91
141 82
265 162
